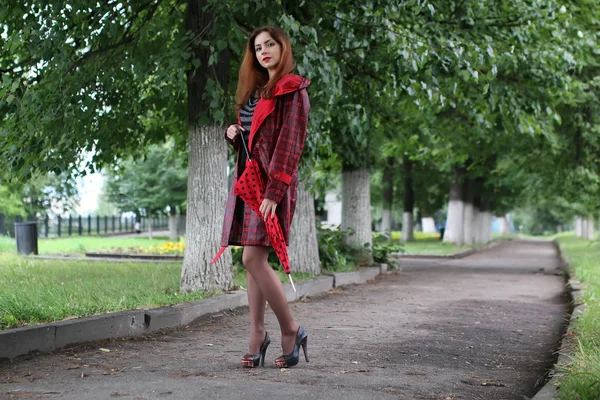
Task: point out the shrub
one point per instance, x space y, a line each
334 253
383 247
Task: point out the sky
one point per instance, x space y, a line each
90 188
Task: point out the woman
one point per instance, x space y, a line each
273 111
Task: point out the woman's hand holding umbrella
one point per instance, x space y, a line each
267 207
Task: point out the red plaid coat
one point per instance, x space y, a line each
276 142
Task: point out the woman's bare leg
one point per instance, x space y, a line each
256 303
254 259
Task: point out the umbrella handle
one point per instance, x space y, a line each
244 144
293 286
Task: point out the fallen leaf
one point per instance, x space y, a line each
104 350
492 383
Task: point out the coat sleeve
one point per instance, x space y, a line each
290 143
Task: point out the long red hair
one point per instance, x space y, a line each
254 76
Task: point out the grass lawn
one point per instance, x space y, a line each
34 291
78 245
432 246
428 243
582 376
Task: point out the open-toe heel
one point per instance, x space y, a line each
289 360
254 360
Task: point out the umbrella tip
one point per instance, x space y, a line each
292 282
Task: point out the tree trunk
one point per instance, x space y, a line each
454 221
409 202
477 231
504 225
207 166
150 226
487 227
480 233
578 226
205 212
388 195
173 228
181 224
590 234
477 225
303 249
468 213
356 210
428 224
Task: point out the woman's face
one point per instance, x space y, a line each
267 50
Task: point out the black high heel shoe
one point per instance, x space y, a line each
253 360
289 360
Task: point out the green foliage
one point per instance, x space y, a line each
89 77
334 253
70 288
581 379
10 202
150 184
383 248
506 91
41 194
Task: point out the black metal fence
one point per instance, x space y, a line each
78 225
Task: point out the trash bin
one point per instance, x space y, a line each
27 237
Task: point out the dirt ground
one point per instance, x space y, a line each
484 327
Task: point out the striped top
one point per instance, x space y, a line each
247 112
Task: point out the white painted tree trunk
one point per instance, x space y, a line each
303 250
485 218
356 210
407 227
207 195
386 221
590 234
454 221
428 225
489 224
477 224
173 229
504 225
468 199
468 223
578 226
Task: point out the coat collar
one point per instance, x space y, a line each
287 84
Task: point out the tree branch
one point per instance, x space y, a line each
126 39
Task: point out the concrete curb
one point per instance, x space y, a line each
105 259
53 336
453 256
134 256
574 288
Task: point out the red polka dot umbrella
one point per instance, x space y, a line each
251 189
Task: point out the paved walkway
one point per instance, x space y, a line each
484 327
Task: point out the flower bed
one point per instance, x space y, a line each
169 250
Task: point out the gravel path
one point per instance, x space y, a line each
484 327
